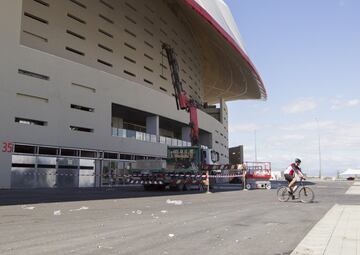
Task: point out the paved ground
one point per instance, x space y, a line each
125 222
337 233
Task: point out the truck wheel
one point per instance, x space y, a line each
161 187
201 187
187 187
180 187
248 186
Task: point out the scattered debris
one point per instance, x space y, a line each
164 211
27 207
171 235
57 213
175 202
81 208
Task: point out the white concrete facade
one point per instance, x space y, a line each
41 78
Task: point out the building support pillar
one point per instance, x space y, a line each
186 134
152 125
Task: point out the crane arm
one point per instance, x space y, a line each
182 100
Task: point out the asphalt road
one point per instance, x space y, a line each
130 221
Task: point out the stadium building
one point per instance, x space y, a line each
86 89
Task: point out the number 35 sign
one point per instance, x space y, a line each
7 147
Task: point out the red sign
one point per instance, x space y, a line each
7 147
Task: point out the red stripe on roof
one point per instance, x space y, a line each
203 13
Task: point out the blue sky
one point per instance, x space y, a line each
308 55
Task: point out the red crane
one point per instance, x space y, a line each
183 102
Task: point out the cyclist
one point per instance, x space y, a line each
289 174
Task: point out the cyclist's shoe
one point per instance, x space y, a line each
293 197
289 191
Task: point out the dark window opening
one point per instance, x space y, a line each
129 59
36 36
104 63
130 6
48 151
42 2
105 33
31 16
149 82
163 89
46 166
105 48
75 51
86 167
107 5
149 69
149 20
88 154
125 156
35 75
149 57
129 46
148 32
110 155
28 149
22 165
81 129
30 121
149 44
163 32
129 32
163 77
106 19
163 21
75 34
130 19
82 108
76 18
129 73
69 152
149 8
78 3
68 167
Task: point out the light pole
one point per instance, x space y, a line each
319 144
255 145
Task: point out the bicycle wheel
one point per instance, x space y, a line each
283 194
306 195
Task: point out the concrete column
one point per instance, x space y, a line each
5 170
152 125
185 134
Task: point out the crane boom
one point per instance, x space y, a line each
183 102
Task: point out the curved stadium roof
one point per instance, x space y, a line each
228 72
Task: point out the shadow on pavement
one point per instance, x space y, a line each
36 196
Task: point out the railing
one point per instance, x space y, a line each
140 136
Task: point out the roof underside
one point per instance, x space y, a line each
228 73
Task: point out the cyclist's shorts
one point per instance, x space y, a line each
288 177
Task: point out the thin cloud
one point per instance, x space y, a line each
311 125
300 106
340 104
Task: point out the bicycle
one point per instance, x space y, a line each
305 194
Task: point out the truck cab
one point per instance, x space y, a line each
191 157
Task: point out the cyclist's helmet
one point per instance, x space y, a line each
297 160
